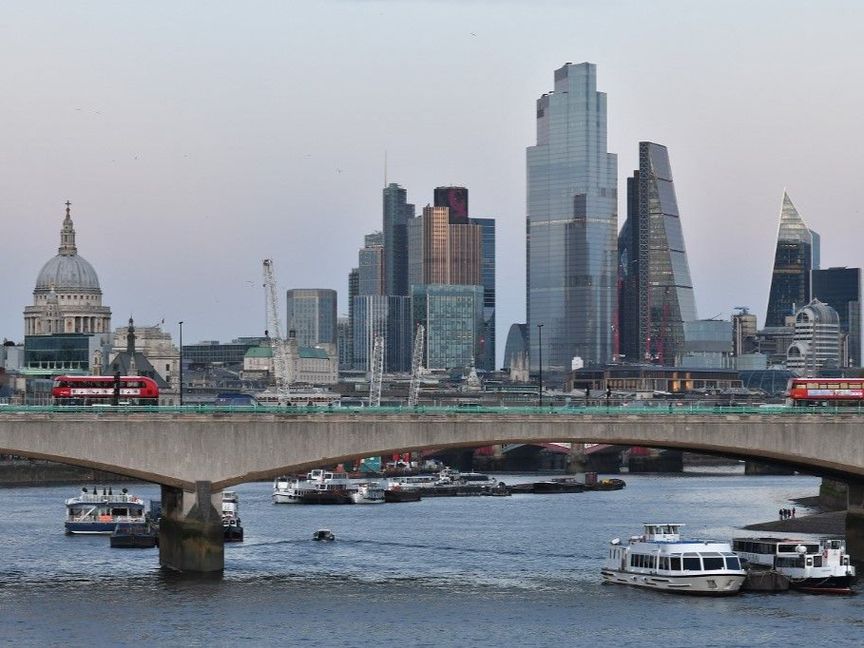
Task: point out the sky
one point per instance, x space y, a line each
196 139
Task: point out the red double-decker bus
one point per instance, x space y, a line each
828 392
91 390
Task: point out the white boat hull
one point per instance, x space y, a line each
702 584
281 497
357 498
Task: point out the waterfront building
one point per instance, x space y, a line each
371 265
572 224
397 214
453 319
816 344
486 360
213 353
67 328
656 298
796 251
317 365
455 199
312 315
387 316
647 380
840 288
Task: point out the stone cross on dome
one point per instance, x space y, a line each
67 235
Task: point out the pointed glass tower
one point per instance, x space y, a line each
797 248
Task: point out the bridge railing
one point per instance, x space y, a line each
594 409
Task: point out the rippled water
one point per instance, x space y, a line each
516 571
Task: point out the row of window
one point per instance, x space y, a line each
685 562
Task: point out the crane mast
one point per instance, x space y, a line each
376 380
277 342
416 367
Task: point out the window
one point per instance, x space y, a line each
713 563
732 562
675 563
692 563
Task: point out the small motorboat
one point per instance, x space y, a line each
323 535
134 535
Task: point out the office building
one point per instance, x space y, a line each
744 332
371 265
656 294
443 253
453 319
312 315
397 213
840 288
572 224
455 199
793 263
387 316
486 360
816 345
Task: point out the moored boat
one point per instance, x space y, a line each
319 487
813 566
95 513
368 493
397 495
231 526
660 559
136 535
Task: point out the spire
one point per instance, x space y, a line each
67 235
792 226
130 339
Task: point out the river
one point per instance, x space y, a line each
460 572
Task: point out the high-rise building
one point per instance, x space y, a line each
816 344
371 265
387 316
486 361
655 294
840 288
744 332
443 253
453 319
344 343
312 315
455 199
572 224
793 263
397 213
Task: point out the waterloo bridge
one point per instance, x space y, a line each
195 453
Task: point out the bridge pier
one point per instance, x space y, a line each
855 521
191 538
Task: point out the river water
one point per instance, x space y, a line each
473 571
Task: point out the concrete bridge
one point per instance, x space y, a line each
195 454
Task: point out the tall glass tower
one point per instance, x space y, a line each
655 295
397 213
797 248
572 224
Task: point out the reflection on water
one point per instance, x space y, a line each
521 570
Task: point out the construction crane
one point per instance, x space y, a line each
416 367
277 342
376 379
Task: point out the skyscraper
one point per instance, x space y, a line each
453 319
388 317
655 295
486 361
312 315
840 288
371 265
397 213
455 199
443 253
571 224
793 262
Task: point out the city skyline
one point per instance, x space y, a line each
161 160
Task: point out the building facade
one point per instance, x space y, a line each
486 360
453 319
455 199
572 224
397 213
655 296
389 317
793 263
816 345
312 315
840 288
152 343
370 265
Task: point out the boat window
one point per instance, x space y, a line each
785 548
817 560
812 548
692 564
790 561
732 562
675 563
712 562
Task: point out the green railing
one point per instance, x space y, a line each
592 410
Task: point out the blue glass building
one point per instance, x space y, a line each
486 359
453 318
572 224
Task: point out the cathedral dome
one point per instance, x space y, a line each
68 272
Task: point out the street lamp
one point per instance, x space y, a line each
181 363
540 357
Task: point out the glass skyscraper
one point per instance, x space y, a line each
572 224
453 318
793 263
397 213
312 315
486 360
388 317
655 296
840 288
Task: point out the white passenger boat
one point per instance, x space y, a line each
814 566
368 493
660 559
319 487
92 512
